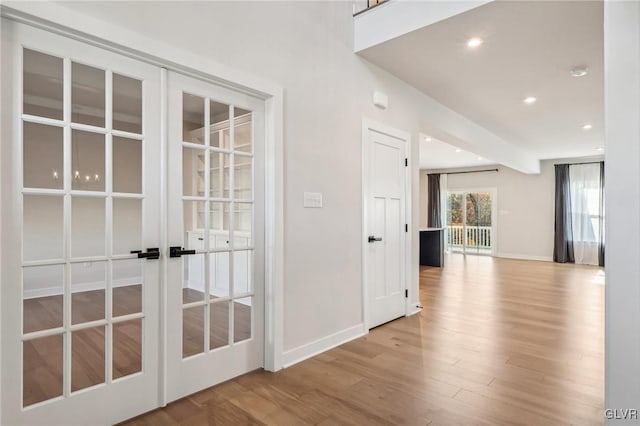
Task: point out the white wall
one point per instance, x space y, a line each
622 180
525 216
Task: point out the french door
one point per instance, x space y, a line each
80 198
471 217
215 278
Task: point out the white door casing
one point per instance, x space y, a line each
110 398
385 223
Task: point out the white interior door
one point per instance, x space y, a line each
386 227
80 172
215 285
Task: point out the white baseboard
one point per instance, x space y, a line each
524 257
414 310
54 291
294 356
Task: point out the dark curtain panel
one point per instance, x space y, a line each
563 239
433 201
601 221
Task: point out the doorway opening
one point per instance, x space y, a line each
470 226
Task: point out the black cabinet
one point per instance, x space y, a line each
432 247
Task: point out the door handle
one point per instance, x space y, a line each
152 253
177 251
373 239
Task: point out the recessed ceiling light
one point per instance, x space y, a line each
580 71
474 42
427 138
587 126
479 158
529 100
599 148
458 150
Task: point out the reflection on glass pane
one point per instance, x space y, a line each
42 369
127 348
219 121
127 225
88 286
87 95
42 227
193 165
127 165
193 283
242 319
219 224
127 104
192 118
42 291
219 166
42 82
42 156
243 138
87 358
126 287
243 178
192 331
193 224
87 161
219 324
242 271
219 274
243 222
87 226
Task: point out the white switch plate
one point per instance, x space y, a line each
313 200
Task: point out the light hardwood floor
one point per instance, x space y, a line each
499 342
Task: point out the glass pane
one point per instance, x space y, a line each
87 226
127 104
87 95
127 165
192 331
192 118
219 121
242 222
87 358
219 274
126 287
472 229
127 225
42 227
42 291
87 161
242 271
219 324
193 172
243 179
243 138
193 282
42 82
219 175
242 319
42 156
455 218
127 348
219 224
483 217
88 286
42 369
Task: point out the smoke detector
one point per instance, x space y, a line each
579 71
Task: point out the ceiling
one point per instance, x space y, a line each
528 49
435 154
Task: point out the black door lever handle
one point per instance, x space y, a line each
152 253
372 238
177 251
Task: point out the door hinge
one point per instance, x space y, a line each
406 162
406 227
406 293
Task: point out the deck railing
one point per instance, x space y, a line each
477 236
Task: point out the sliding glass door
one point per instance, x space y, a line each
470 222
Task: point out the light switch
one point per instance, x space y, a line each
313 200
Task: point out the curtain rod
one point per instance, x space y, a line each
577 164
470 171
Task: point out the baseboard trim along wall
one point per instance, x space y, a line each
524 257
296 355
55 291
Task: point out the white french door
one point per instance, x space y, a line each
215 281
80 195
471 221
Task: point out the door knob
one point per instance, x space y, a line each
373 239
152 253
177 251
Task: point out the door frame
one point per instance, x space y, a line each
494 216
367 125
65 21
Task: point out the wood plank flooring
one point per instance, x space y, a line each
499 342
